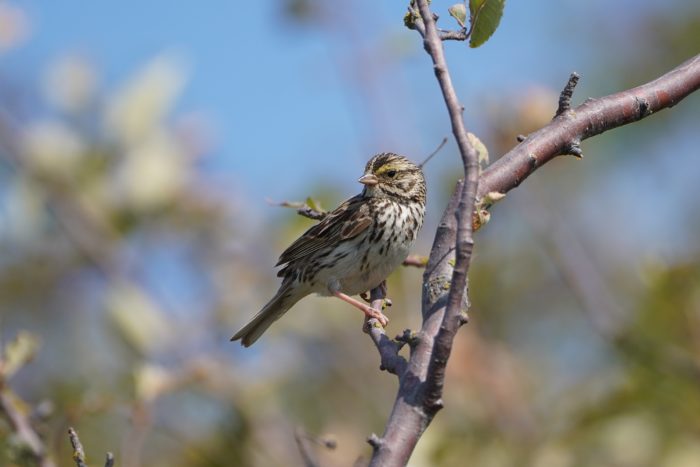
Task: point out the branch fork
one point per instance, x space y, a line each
421 383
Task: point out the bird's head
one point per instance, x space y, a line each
389 175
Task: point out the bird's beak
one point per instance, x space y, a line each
368 179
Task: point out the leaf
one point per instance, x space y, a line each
152 381
138 318
481 150
475 6
143 103
492 197
152 173
17 353
313 204
485 17
459 12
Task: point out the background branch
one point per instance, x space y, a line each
307 454
79 452
10 408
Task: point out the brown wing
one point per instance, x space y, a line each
346 221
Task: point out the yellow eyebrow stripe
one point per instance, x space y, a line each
386 168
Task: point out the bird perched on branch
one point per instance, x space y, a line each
355 247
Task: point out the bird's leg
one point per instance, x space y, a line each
365 296
366 309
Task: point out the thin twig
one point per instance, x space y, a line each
301 437
78 451
307 454
311 213
462 35
388 349
440 146
303 209
566 94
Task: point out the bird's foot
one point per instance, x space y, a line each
366 309
378 315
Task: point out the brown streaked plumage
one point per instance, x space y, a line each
355 247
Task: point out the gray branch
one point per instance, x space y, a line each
421 381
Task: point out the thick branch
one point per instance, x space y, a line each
589 119
464 241
420 390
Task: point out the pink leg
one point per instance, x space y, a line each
366 309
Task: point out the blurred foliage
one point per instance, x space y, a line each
132 266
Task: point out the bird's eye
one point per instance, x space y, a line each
391 174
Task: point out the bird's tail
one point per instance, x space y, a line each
280 303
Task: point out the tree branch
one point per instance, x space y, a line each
566 94
79 452
307 455
591 118
461 35
10 408
420 385
388 349
303 209
420 389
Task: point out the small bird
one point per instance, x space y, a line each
355 247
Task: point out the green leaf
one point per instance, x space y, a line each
475 6
459 12
313 204
17 353
485 17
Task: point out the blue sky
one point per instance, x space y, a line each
291 104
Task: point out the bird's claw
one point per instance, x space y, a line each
378 315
